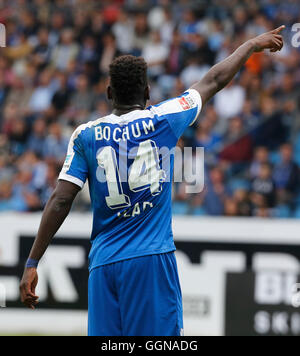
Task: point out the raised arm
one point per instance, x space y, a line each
55 212
222 73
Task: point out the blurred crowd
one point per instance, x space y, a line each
54 73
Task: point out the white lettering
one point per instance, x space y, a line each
106 133
125 135
138 134
136 210
118 134
98 133
149 126
115 134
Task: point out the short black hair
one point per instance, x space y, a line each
128 79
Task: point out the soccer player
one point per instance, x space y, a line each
133 281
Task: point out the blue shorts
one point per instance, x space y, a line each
136 297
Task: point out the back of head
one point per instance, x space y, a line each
128 79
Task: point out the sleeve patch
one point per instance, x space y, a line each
184 103
68 161
187 102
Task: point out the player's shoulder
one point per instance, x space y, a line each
84 130
190 99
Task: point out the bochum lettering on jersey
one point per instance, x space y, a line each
136 129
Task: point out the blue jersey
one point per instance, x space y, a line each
128 161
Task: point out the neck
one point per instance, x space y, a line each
120 109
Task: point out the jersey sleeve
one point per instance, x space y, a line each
180 112
75 168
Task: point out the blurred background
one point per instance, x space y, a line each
53 77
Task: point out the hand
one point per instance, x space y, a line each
270 40
27 287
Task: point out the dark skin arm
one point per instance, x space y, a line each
55 212
222 73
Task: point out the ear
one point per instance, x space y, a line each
147 93
109 93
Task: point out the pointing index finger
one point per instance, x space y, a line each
278 29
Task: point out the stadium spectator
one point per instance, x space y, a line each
10 200
242 199
56 143
231 207
286 174
37 138
264 186
123 29
82 100
193 71
229 102
109 52
155 54
62 95
261 156
42 51
238 144
175 58
141 33
206 137
42 95
215 193
65 51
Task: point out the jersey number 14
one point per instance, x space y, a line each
144 173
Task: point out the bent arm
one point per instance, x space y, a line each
222 73
55 212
